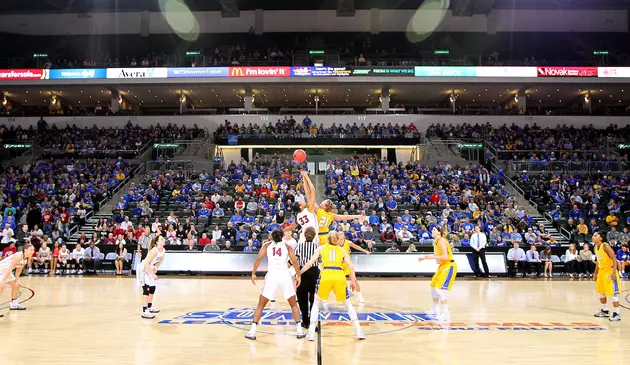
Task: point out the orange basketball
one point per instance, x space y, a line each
299 155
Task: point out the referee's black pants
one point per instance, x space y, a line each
306 294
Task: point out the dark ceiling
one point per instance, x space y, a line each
74 6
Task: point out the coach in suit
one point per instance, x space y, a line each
306 291
478 242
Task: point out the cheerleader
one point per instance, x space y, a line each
145 273
17 262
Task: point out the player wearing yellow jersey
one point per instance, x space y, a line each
444 276
347 245
606 278
325 217
332 279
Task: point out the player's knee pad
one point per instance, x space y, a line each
434 293
152 290
615 299
441 294
145 290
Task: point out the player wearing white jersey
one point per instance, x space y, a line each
305 211
17 262
278 277
145 273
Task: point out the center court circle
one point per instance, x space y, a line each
286 326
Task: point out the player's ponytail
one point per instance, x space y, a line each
153 242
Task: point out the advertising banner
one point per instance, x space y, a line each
613 72
553 71
24 74
383 71
79 73
137 73
262 71
448 71
198 72
320 71
506 71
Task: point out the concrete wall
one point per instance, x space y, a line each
292 21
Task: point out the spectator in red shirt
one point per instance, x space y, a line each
435 198
285 174
109 240
9 250
388 236
207 203
47 218
264 190
204 240
239 205
64 219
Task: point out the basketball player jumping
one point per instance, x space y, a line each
332 279
15 261
146 275
444 276
278 277
324 218
606 278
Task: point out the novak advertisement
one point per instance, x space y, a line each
551 71
137 73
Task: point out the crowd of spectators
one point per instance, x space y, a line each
41 202
405 201
307 129
583 204
74 142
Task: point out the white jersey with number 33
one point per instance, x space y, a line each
307 219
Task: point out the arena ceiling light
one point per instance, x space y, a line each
180 18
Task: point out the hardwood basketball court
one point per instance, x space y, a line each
78 320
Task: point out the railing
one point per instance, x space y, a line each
122 184
524 154
100 154
326 138
178 165
568 166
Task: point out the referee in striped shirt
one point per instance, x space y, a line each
306 291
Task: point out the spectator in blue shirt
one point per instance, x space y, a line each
122 204
575 213
383 226
250 246
407 217
467 226
218 212
556 213
273 226
424 237
399 225
236 219
374 220
242 235
391 204
466 240
248 219
595 213
204 213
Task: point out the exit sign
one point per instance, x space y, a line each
40 55
600 53
442 51
316 51
193 53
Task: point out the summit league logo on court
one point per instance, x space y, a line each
237 317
